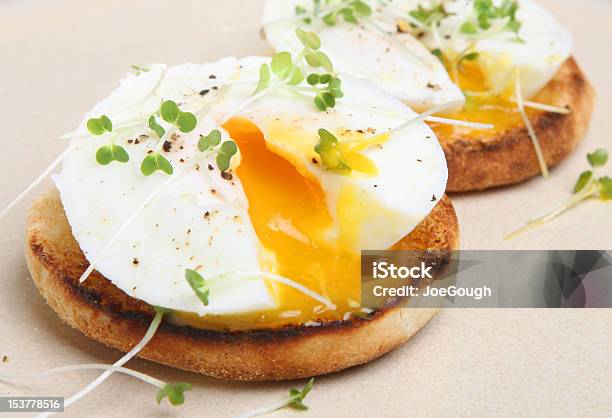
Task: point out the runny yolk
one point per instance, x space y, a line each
495 109
291 219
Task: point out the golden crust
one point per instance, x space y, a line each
106 314
480 162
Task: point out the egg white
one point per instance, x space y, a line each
547 44
417 78
201 220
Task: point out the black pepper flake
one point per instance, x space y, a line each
167 146
206 214
210 167
130 141
212 77
215 87
213 191
150 151
5 359
182 160
419 160
136 141
434 198
226 175
135 261
315 161
204 92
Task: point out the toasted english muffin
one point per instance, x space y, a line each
106 314
480 160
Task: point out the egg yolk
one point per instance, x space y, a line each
498 109
292 221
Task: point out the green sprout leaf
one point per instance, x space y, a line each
175 392
599 158
112 152
210 141
328 149
472 56
606 187
296 78
162 310
264 78
583 180
224 156
310 40
156 162
362 8
156 127
99 126
140 69
298 396
184 121
319 59
198 284
282 65
169 111
429 16
469 28
485 12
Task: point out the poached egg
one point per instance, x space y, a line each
276 210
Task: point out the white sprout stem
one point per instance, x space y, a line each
269 409
530 130
556 211
547 108
423 116
35 183
297 93
124 227
455 122
247 103
224 279
145 340
93 366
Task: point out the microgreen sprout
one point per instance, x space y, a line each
587 186
173 391
156 162
184 121
111 152
486 14
156 127
331 155
225 152
294 400
99 126
153 327
198 285
140 69
290 72
108 153
350 12
428 16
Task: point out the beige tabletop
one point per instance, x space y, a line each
59 57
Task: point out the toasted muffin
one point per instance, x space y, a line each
108 315
480 160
